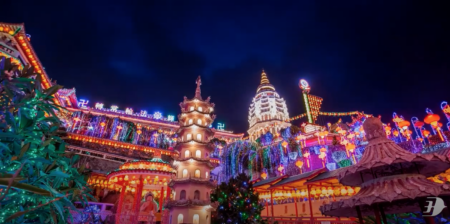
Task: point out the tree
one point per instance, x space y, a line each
37 181
237 202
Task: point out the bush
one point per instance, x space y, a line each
37 181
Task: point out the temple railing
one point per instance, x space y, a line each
308 220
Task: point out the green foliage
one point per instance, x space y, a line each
37 181
344 163
237 202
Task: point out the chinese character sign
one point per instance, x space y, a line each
220 126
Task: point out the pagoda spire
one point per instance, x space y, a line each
264 79
198 94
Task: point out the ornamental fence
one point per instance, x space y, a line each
309 220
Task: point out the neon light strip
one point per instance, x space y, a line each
308 110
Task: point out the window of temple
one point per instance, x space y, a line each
188 137
197 174
199 137
206 175
200 109
195 219
198 153
199 121
197 194
185 173
211 109
190 121
186 154
192 108
180 218
183 195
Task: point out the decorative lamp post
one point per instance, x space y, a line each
281 169
284 144
323 155
404 126
396 119
306 156
432 119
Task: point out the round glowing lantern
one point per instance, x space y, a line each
337 191
330 191
404 124
264 174
102 124
395 133
343 191
350 191
432 119
419 124
299 163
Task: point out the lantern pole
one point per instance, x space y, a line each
271 202
296 210
310 204
161 198
138 198
119 208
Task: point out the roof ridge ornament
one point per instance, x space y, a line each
198 91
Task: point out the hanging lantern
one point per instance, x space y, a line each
280 169
350 191
306 155
126 178
264 174
337 191
343 191
299 163
330 191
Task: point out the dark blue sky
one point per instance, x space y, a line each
373 56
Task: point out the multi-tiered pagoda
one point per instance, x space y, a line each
192 185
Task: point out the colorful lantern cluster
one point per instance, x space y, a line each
318 192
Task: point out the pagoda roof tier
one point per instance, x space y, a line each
396 194
383 157
191 180
188 203
196 125
211 162
191 141
195 111
128 117
208 163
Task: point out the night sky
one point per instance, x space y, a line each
377 57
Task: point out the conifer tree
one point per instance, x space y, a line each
237 202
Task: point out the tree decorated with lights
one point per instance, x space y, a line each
237 202
38 183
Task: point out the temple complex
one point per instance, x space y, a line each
145 163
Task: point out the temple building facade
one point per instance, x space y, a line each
268 111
